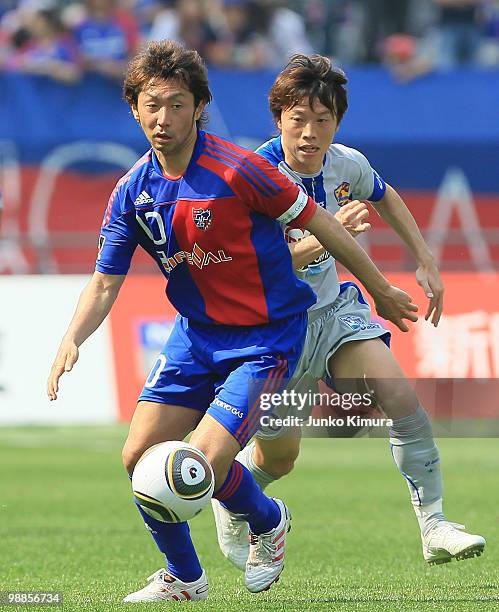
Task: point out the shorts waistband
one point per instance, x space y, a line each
276 323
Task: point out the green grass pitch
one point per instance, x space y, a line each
67 523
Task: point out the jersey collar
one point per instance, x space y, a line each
198 148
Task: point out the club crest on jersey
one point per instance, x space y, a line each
202 218
342 193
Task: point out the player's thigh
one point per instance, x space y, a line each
154 422
238 402
278 455
370 362
234 414
345 322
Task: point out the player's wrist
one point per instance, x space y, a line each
427 261
70 341
424 257
379 287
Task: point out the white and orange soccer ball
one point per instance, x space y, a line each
173 481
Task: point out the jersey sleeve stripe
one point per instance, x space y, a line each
236 156
244 164
143 160
244 159
379 188
295 209
107 215
237 168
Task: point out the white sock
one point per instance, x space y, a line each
246 458
429 515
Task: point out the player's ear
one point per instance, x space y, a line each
199 111
278 122
135 113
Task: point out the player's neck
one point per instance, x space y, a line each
304 169
310 168
175 163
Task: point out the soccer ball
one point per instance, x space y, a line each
173 481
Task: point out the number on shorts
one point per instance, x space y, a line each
155 373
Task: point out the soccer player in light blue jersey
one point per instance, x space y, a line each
308 100
208 213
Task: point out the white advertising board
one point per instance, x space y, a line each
34 314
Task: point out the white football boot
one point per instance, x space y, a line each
232 534
165 587
447 541
266 554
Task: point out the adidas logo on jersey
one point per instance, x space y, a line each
144 198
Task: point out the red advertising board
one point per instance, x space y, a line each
70 226
140 323
465 344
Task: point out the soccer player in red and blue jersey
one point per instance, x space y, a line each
209 213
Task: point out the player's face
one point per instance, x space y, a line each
166 113
306 133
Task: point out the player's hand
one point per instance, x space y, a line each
352 216
66 357
429 279
396 305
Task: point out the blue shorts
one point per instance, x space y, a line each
222 370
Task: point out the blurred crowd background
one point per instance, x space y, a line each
423 90
63 39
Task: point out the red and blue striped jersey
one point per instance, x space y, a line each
214 232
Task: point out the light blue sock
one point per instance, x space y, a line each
417 457
245 457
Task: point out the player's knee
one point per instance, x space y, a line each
396 400
220 467
220 464
130 456
400 403
281 466
277 464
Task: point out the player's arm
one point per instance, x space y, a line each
394 211
283 201
93 306
117 243
391 303
305 251
352 215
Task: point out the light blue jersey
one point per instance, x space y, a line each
345 175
